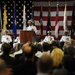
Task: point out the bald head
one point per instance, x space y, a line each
28 50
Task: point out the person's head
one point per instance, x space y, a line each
6 32
39 47
6 48
3 67
69 63
44 64
30 22
55 44
65 33
28 50
57 56
45 46
49 33
71 50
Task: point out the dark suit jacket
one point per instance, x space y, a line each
9 60
26 68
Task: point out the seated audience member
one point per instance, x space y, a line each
49 38
57 56
44 65
6 48
70 50
28 67
3 68
6 38
46 47
69 64
39 50
54 45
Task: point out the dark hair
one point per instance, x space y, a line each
55 43
6 48
45 46
45 63
39 47
71 50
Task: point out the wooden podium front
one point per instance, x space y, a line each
26 36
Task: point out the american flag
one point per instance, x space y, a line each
28 4
53 15
19 13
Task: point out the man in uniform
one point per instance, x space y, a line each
6 38
66 37
31 26
49 38
65 40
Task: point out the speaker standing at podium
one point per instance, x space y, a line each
33 28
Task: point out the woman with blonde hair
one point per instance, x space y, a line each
57 56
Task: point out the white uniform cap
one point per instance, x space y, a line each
30 21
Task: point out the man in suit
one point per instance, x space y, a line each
27 67
44 64
6 48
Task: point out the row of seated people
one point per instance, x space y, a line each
37 59
49 38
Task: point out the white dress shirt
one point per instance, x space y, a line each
48 39
32 27
6 38
65 39
17 40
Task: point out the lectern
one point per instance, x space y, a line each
26 36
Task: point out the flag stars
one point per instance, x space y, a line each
11 22
16 4
17 22
11 10
8 19
11 16
9 25
2 1
10 4
30 1
8 7
17 10
27 10
27 4
19 19
27 16
20 25
8 1
8 13
17 16
30 13
19 7
19 13
19 2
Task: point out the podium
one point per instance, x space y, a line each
26 36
